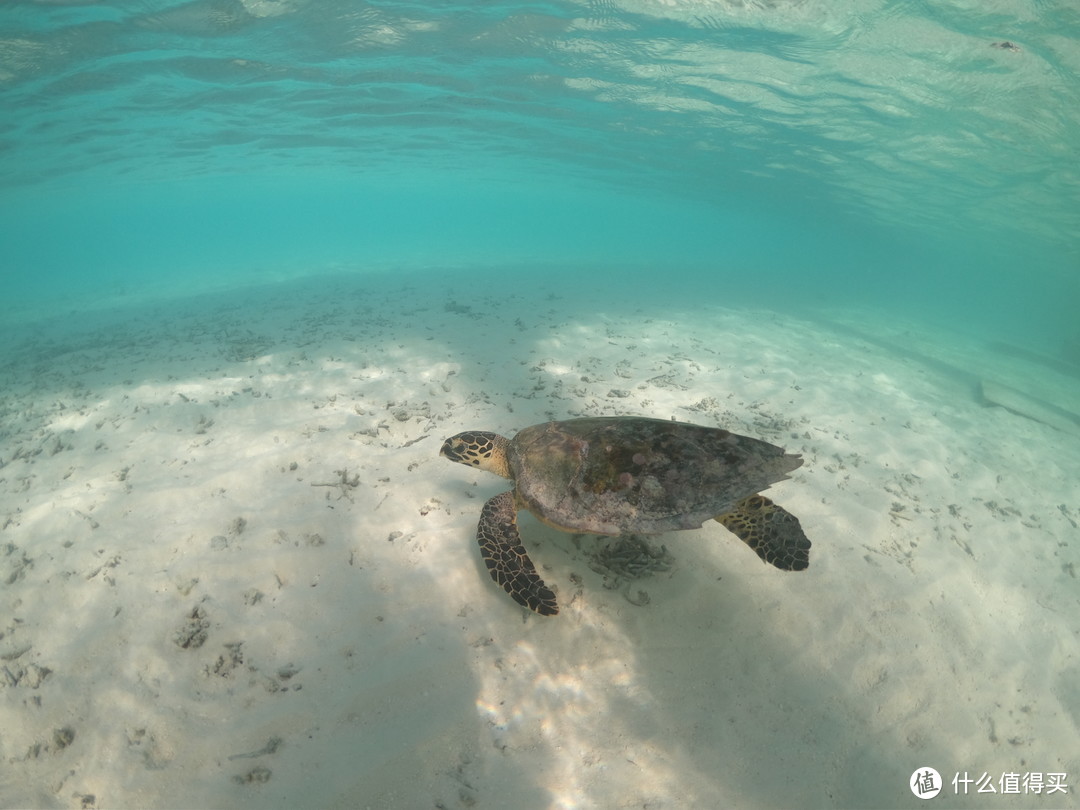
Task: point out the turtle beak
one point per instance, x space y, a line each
447 450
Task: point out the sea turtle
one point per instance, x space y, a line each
617 475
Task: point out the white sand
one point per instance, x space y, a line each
255 475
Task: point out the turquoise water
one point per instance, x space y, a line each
907 155
259 258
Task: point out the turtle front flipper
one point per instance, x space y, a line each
770 530
506 559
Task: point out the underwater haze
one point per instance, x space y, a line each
912 154
259 259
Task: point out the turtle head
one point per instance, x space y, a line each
480 449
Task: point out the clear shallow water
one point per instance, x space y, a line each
887 153
705 165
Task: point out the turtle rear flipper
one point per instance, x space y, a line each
770 530
506 559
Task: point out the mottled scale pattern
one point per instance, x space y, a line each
624 475
506 559
771 531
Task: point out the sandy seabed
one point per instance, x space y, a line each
234 571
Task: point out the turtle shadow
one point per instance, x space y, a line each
719 696
753 712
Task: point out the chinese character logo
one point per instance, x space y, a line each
925 783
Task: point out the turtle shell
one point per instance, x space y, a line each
627 474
